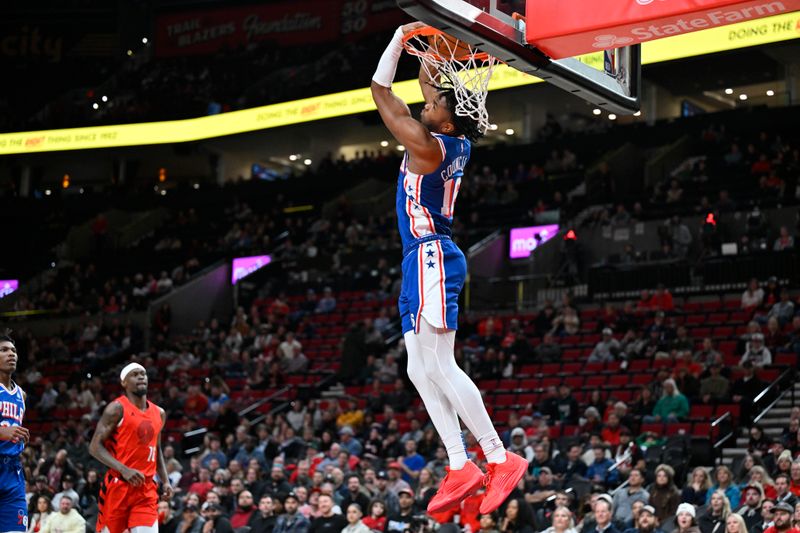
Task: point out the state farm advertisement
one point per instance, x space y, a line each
568 28
286 23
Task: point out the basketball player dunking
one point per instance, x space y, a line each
434 269
13 507
128 441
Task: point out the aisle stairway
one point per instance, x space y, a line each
774 421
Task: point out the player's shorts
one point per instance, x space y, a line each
122 506
434 270
13 507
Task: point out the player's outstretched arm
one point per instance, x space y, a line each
423 149
161 466
112 415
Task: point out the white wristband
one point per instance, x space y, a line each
387 66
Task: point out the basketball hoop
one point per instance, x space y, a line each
460 65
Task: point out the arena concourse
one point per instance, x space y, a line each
642 357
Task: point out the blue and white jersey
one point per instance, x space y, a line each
12 410
425 202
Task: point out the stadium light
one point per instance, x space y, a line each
510 131
144 40
81 191
292 157
307 162
95 106
130 53
493 127
612 116
728 91
401 148
638 113
163 192
596 111
770 92
196 186
48 192
742 97
384 143
104 98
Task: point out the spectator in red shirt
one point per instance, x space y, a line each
244 509
196 402
610 433
662 299
203 485
782 514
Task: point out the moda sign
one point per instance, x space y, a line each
562 30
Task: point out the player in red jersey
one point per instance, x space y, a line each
128 441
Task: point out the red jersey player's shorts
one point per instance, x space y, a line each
123 506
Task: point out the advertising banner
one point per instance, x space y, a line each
285 23
523 241
569 28
244 266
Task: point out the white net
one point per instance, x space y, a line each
455 64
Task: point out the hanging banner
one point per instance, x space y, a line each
569 28
284 23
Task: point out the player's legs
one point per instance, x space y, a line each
440 410
438 354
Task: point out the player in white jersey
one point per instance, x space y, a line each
437 148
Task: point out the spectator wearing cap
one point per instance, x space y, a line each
767 517
40 488
327 521
664 496
606 350
349 442
752 495
646 521
400 521
67 519
354 493
782 519
191 521
603 512
624 498
215 519
263 519
685 519
600 472
67 489
756 353
543 488
291 521
385 493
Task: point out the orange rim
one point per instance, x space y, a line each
430 31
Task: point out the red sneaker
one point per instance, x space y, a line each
501 479
456 485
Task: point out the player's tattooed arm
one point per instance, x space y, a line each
112 415
161 466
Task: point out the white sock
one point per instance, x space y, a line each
464 396
443 416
